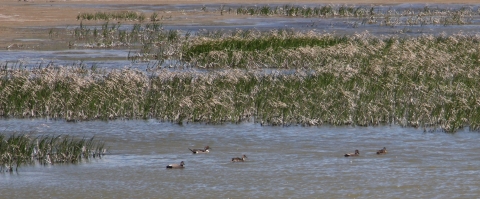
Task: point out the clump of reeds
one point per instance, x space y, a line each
72 93
17 150
423 92
237 49
369 15
107 16
295 49
294 11
150 40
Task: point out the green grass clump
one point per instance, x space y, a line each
294 11
149 40
295 50
18 150
275 43
107 16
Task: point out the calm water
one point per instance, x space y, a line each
283 162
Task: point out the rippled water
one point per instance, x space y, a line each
283 162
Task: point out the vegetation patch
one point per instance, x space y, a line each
107 16
23 149
431 93
370 14
276 77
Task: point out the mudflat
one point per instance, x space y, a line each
23 20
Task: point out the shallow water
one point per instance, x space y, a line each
283 162
101 58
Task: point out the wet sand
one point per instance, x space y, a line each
20 21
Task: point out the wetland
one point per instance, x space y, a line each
293 86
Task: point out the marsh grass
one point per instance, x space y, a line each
247 43
150 41
277 77
369 14
17 150
107 16
428 82
310 50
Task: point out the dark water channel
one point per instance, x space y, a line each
283 162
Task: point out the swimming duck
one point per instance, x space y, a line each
176 166
205 150
357 153
382 151
237 159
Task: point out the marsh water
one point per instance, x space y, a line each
283 162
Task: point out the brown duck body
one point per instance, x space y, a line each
237 159
176 166
196 151
357 153
382 151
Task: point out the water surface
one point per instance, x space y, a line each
283 162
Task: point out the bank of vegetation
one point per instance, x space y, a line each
24 149
275 77
428 81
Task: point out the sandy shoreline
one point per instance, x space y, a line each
18 18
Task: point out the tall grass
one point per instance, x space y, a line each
237 48
425 81
18 150
107 16
150 40
294 50
369 14
278 77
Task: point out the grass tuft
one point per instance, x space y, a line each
18 150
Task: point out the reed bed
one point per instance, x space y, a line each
242 48
306 11
369 14
277 77
107 16
387 16
18 150
150 40
287 49
428 81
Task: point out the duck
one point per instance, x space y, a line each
357 153
237 159
382 151
176 166
205 150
